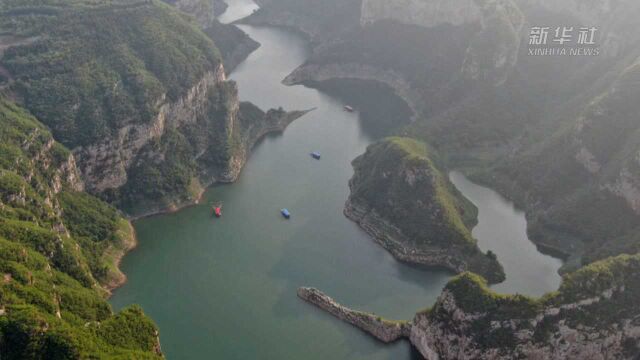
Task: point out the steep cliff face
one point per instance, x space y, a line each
137 91
58 249
204 140
105 163
481 45
401 199
591 317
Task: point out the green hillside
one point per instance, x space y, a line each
401 198
89 67
57 252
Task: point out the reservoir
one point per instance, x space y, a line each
226 288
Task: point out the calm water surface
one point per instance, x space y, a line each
503 229
226 288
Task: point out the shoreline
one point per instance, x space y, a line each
387 331
132 243
129 243
277 128
442 259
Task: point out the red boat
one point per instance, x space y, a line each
217 211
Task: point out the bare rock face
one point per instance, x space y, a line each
493 51
468 321
104 165
383 330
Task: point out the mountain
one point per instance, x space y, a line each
591 316
556 134
135 89
400 198
540 129
123 101
234 45
59 249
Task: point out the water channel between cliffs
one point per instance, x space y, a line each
226 288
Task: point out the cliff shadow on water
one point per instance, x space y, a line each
380 111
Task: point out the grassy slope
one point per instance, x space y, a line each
53 304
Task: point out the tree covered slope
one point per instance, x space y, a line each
57 252
135 89
94 67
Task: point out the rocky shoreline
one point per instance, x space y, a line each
402 201
386 234
273 124
384 330
468 321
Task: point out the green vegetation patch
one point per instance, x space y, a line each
53 256
92 66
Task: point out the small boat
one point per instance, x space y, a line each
316 155
285 213
217 211
348 108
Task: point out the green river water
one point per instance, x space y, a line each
226 288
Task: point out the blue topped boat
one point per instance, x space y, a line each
315 155
285 213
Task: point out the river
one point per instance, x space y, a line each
226 288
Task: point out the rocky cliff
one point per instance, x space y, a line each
481 44
400 198
145 106
484 103
384 330
592 316
209 142
105 163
